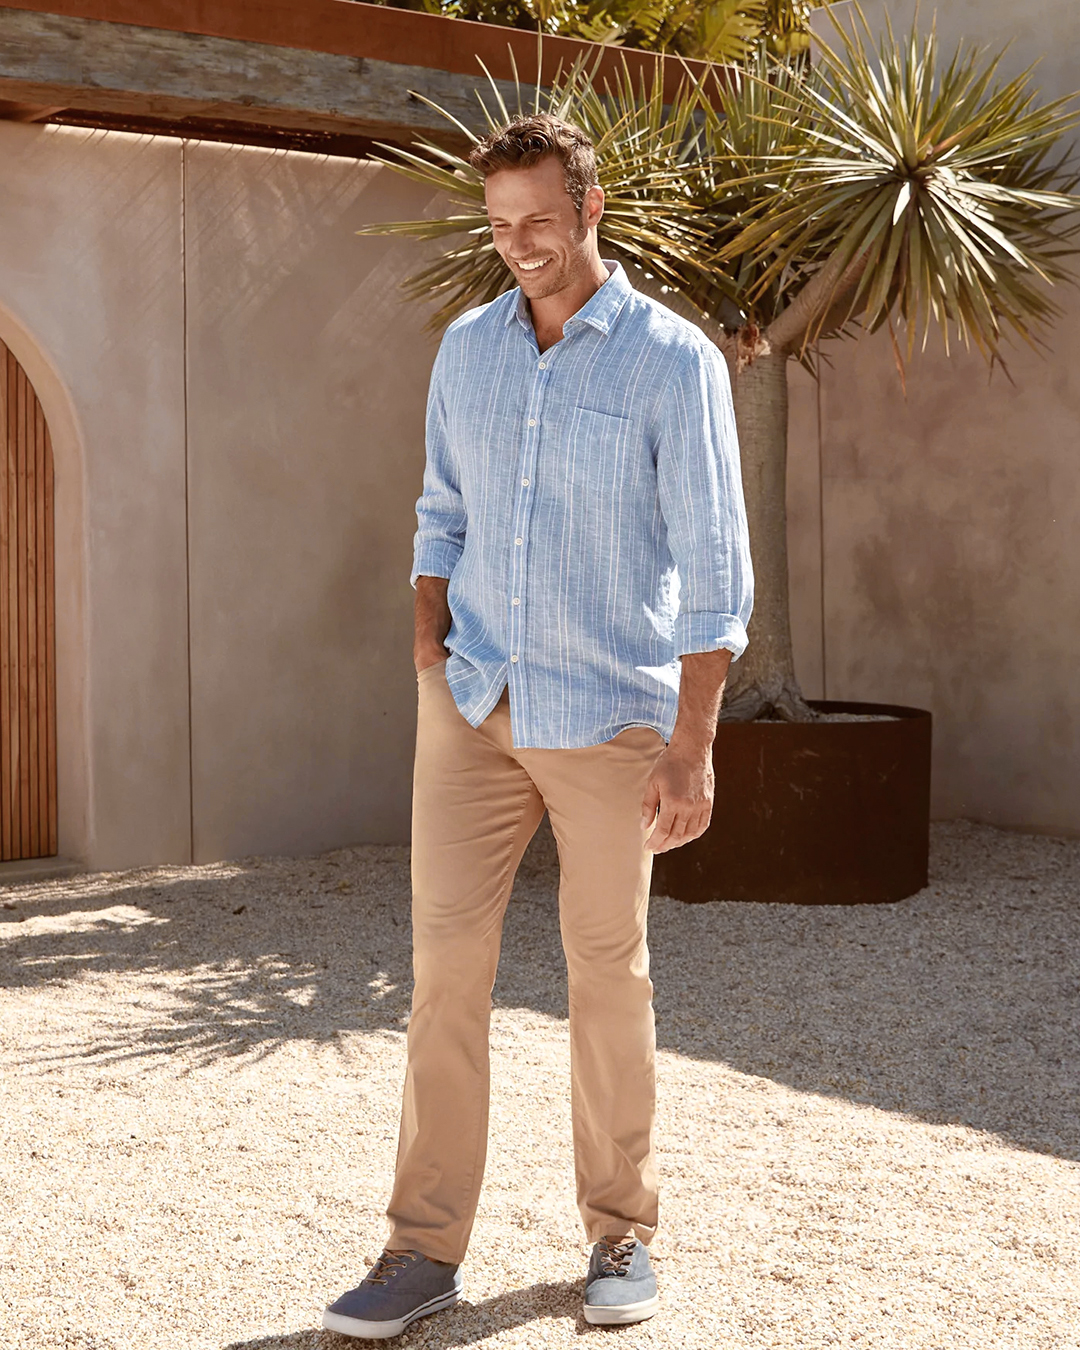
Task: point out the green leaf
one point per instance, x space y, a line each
930 184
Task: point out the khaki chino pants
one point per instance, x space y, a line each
477 802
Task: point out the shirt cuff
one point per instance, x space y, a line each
434 558
700 632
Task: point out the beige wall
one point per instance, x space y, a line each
946 528
307 380
91 303
1043 31
233 388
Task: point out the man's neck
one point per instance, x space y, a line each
550 313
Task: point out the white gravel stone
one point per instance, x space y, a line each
869 1132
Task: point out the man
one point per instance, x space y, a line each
581 535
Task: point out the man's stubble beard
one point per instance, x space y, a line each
575 266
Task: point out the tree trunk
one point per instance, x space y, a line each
762 682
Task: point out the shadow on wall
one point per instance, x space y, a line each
957 1006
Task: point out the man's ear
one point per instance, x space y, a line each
592 208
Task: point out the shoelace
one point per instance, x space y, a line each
615 1257
388 1264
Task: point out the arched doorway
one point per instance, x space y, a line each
27 622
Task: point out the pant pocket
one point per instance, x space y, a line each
438 668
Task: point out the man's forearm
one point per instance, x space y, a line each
679 795
431 614
701 688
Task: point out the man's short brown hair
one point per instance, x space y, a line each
524 141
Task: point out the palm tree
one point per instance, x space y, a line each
885 188
647 151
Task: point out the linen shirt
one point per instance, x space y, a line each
586 505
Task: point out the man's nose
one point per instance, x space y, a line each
520 245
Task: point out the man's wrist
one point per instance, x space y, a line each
691 745
432 623
427 653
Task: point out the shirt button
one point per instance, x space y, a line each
532 421
518 542
517 600
514 659
543 365
524 482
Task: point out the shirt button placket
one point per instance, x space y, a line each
523 511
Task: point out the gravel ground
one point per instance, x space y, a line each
868 1119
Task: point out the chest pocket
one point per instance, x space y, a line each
596 447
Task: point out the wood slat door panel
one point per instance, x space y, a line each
27 622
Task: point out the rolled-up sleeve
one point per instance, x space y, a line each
701 497
440 511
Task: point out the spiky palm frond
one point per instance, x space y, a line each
936 188
713 30
741 132
722 31
787 27
710 30
648 154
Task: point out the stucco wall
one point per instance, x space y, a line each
236 399
91 302
307 382
946 528
1043 31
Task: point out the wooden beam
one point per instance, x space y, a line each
381 33
347 144
26 112
48 60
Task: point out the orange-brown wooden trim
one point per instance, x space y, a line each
11 755
41 795
39 805
31 826
52 834
24 560
26 112
6 556
27 622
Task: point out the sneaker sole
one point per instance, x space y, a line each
617 1315
379 1331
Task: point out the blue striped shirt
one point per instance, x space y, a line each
586 505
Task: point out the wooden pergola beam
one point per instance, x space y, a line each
51 61
349 28
26 112
325 67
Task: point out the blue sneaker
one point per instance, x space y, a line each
398 1289
620 1286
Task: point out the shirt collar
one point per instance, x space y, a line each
600 312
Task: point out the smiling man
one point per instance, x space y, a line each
582 581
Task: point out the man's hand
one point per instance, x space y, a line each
681 788
682 783
432 622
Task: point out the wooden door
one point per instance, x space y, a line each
27 622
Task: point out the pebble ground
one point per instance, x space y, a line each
869 1129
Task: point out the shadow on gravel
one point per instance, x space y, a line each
960 1005
466 1324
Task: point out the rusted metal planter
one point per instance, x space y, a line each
822 813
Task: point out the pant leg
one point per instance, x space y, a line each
593 797
474 811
